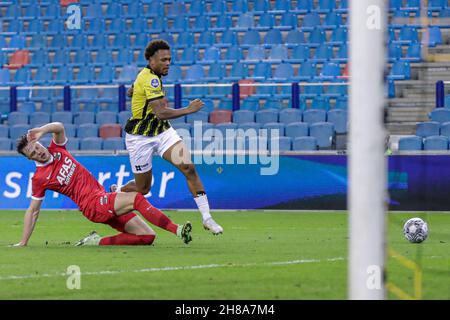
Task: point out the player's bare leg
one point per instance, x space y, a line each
142 183
180 157
129 201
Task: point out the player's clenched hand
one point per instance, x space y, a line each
195 105
34 134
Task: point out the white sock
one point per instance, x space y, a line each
203 206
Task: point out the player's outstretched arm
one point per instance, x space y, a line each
56 128
31 216
161 109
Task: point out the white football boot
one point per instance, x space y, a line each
211 225
92 239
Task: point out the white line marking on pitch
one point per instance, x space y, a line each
204 266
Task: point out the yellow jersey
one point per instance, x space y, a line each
146 88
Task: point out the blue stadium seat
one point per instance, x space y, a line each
223 127
38 119
324 6
255 53
261 6
83 117
91 143
238 71
284 144
332 20
233 53
280 6
266 116
22 76
336 91
323 132
262 71
70 130
238 7
250 103
321 103
299 54
155 9
426 129
129 72
198 116
394 51
223 22
244 22
283 72
5 144
307 71
408 34
206 39
342 54
105 117
294 38
4 131
317 37
278 53
445 129
176 9
273 37
435 143
15 118
266 22
113 144
437 5
5 77
312 90
339 119
410 143
414 52
17 130
195 73
201 23
304 6
435 36
87 130
123 116
289 115
179 24
215 73
251 38
229 38
297 129
304 144
440 115
250 126
274 129
330 71
310 21
323 53
401 70
211 55
339 35
243 116
73 144
288 21
314 115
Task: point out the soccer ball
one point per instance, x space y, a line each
415 230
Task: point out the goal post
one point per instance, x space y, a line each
367 162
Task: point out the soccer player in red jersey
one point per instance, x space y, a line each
57 170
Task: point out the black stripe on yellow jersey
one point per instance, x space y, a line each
146 88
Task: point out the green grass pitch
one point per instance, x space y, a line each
261 255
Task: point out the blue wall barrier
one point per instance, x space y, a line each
416 182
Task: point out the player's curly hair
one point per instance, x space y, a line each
21 144
154 46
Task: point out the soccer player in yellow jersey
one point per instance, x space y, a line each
148 131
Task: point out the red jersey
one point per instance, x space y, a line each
65 175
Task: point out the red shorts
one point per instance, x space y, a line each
101 210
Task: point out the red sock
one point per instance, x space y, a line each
154 215
127 239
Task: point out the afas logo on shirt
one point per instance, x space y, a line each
66 171
154 83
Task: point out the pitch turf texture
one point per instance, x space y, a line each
261 255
